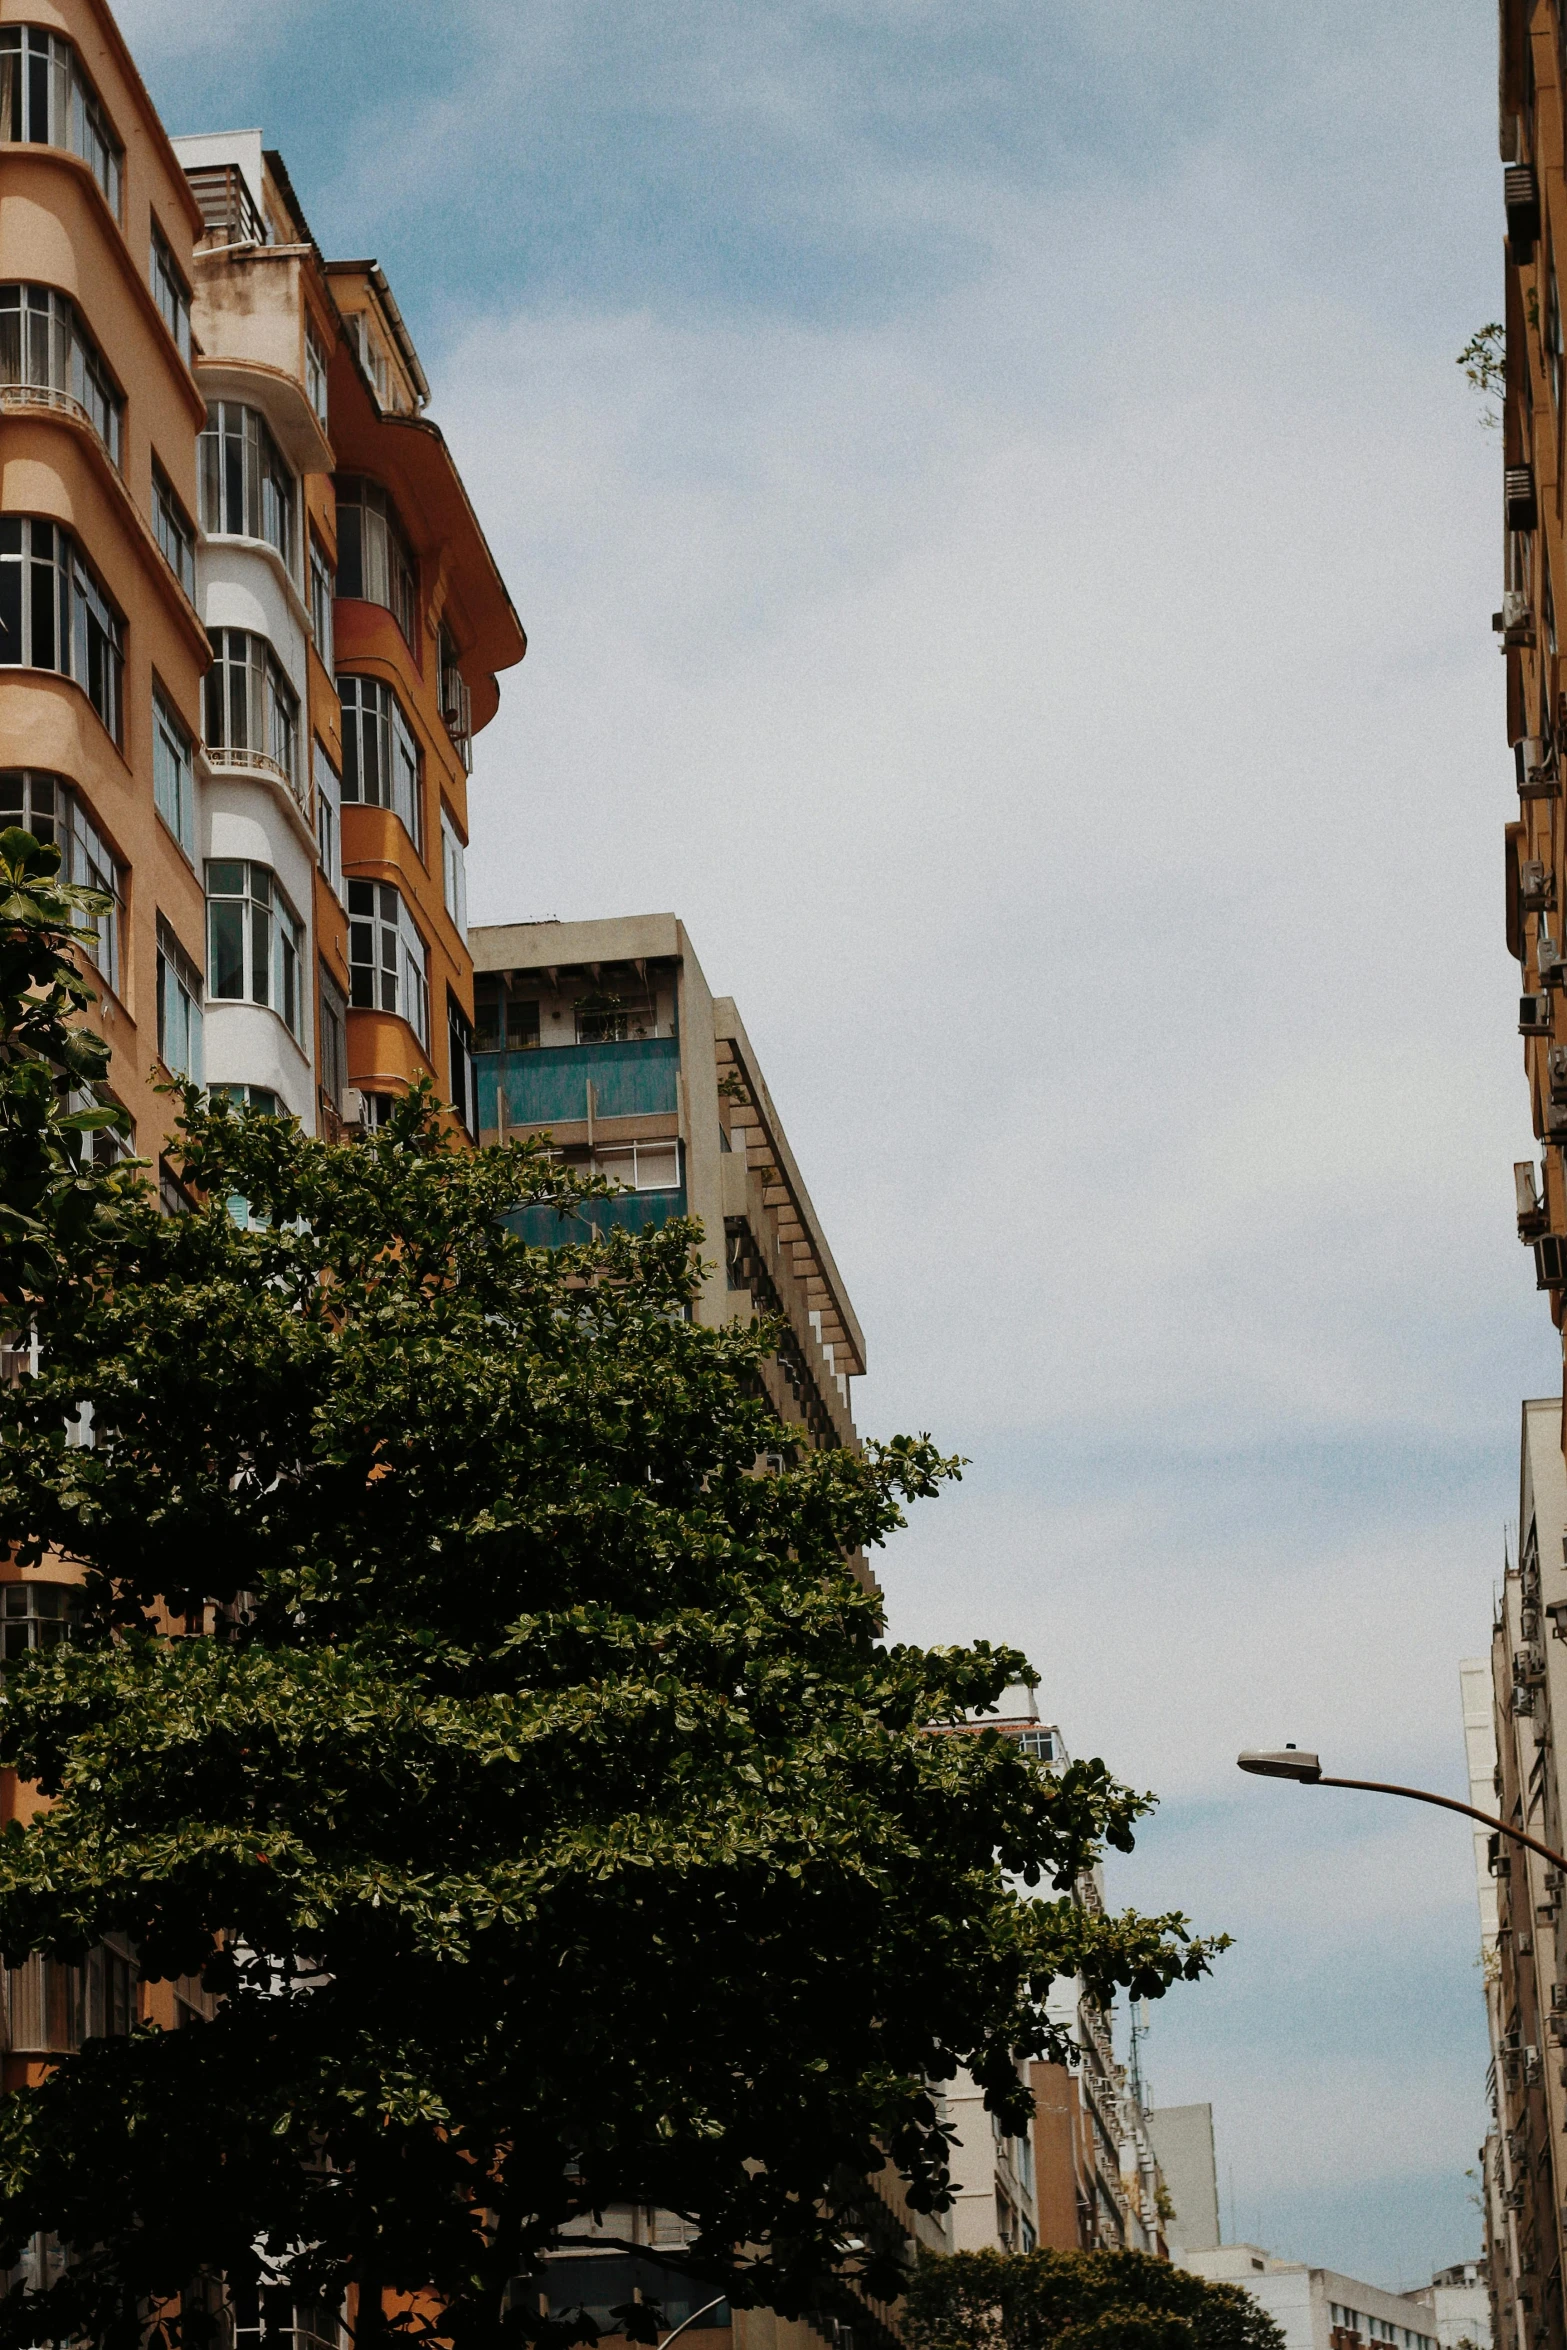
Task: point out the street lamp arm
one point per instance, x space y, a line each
715 2303
1449 1803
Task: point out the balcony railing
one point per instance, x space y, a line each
457 710
222 760
636 1077
229 209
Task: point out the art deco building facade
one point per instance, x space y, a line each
1525 1958
248 628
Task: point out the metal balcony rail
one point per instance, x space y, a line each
227 206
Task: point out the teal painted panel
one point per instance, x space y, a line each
634 1211
631 1080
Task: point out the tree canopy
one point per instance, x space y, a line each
456 1691
1051 2300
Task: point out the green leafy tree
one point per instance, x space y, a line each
53 1200
1484 362
528 1773
1078 2301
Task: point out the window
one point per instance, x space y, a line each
454 875
252 712
37 1615
54 615
272 2320
610 1019
372 355
250 1097
386 957
464 1077
172 528
47 101
506 1022
333 1005
1041 1744
255 941
315 368
179 1008
173 783
373 557
46 352
246 489
641 1166
170 291
321 599
456 702
329 819
380 756
52 811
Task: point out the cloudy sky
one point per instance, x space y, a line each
1008 557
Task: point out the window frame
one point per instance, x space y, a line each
180 988
169 289
74 368
396 966
317 368
329 817
76 606
321 593
170 521
65 78
272 942
226 483
357 495
86 858
276 721
454 873
373 701
173 764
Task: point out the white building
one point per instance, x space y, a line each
1316 2308
1461 2305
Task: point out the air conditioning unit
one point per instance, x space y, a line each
1519 502
1535 761
1549 959
1521 200
1523 1700
1528 1669
1556 1613
1554 1123
353 1107
1550 1261
1534 1217
1556 1072
1536 889
1515 621
1535 1016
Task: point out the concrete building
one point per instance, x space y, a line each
1316 2308
1090 2177
225 519
1525 1964
1460 2304
1182 2139
606 1036
215 466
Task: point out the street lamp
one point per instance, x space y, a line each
1290 1763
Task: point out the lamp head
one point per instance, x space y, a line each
1289 1763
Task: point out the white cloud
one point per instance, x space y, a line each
1067 721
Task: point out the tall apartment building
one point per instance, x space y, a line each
248 627
1316 2308
1524 1942
606 1036
1088 2177
248 621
